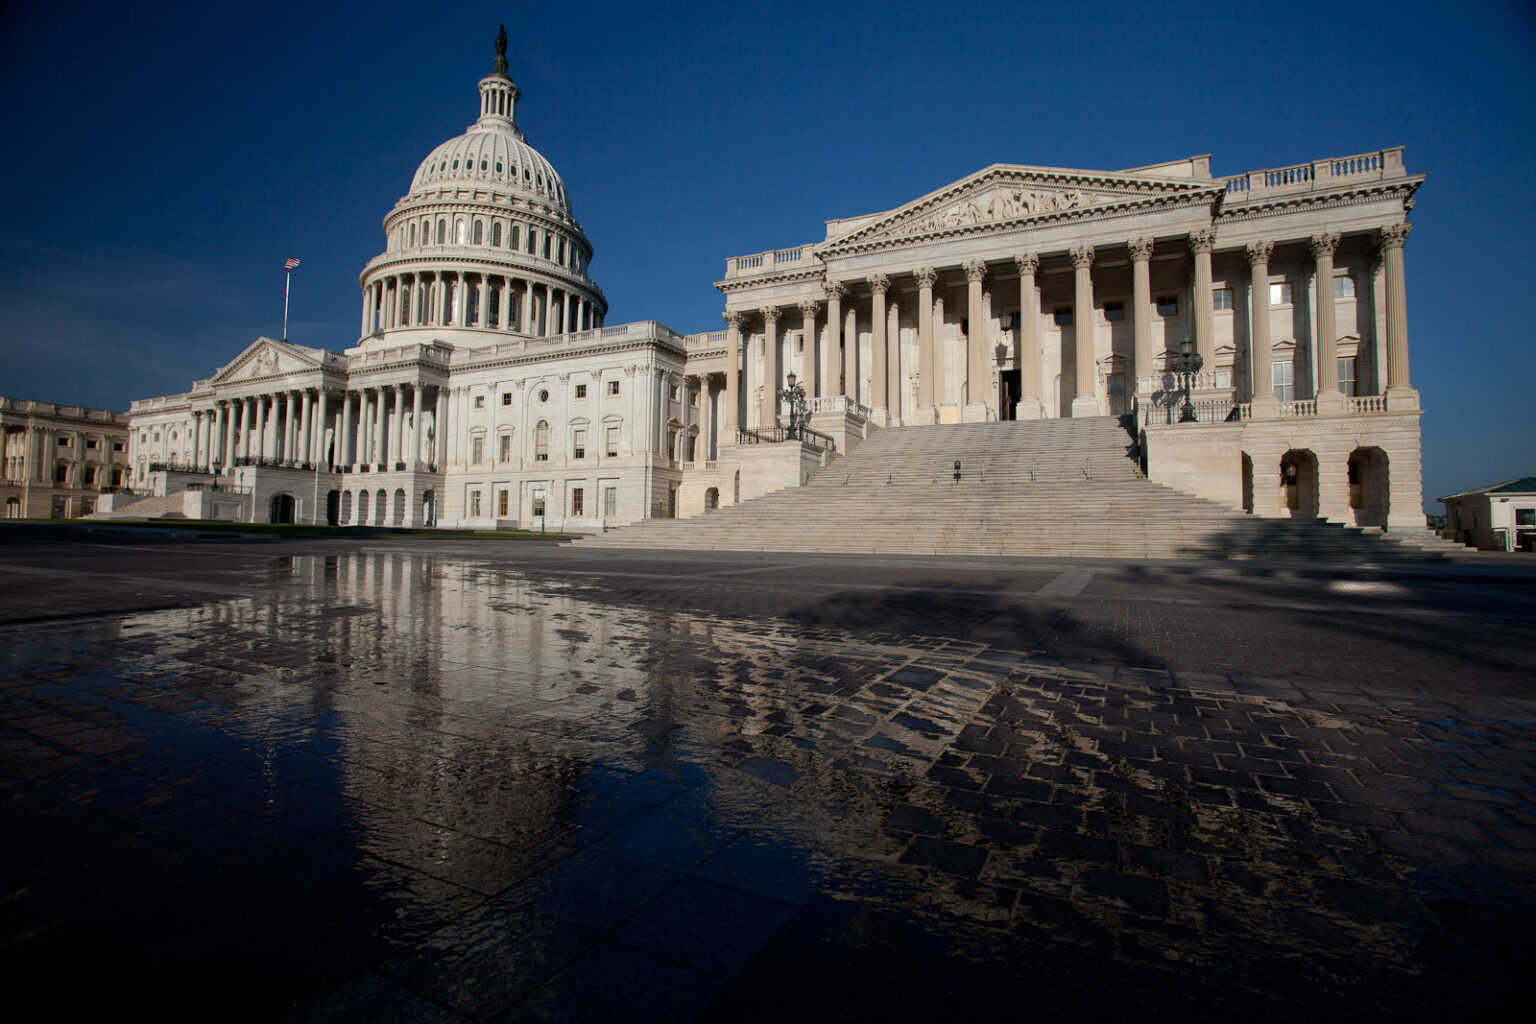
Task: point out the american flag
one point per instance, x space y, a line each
292 262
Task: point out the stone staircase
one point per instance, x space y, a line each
1054 488
149 506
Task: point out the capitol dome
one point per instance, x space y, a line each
485 239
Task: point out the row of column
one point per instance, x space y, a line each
368 426
839 378
443 299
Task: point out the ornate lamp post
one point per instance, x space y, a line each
794 395
1186 366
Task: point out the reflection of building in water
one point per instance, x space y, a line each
486 387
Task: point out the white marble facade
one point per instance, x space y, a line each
486 388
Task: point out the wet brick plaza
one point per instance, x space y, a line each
395 780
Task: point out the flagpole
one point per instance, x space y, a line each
287 280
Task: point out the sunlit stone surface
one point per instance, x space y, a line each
448 784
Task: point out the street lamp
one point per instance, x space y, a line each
794 395
1186 366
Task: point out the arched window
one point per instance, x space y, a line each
479 233
413 236
515 238
541 442
442 231
546 247
459 229
531 241
496 232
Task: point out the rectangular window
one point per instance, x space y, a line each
1344 287
1114 311
578 501
64 442
117 446
501 504
1221 298
479 401
538 503
610 501
92 444
1525 517
613 387
1285 382
1062 315
613 441
579 443
60 474
1167 305
581 391
672 392
506 448
1347 376
477 449
474 504
1279 293
506 399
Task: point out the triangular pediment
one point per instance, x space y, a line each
267 357
1008 194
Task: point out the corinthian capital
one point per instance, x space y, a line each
1202 240
1324 244
732 319
1082 256
808 308
1029 263
1259 252
834 289
1394 235
975 271
879 283
1141 248
926 276
770 314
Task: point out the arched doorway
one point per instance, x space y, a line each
282 508
712 499
362 509
399 506
332 508
346 508
1247 483
428 509
380 507
1298 483
1368 487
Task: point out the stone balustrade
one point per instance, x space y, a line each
775 260
1382 164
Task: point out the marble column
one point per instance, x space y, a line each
769 414
1028 356
1143 361
238 436
834 291
976 373
1260 348
305 446
733 374
1399 390
346 447
440 432
395 450
1085 400
808 311
317 448
879 399
285 447
928 396
851 352
414 456
1201 243
1329 398
260 433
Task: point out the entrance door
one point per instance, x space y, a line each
1116 385
1008 402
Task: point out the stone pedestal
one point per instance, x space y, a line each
1029 409
1264 407
1084 405
1331 402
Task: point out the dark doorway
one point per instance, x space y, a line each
1008 400
332 508
282 509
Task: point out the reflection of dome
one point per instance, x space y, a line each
485 238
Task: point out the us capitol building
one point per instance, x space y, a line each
486 387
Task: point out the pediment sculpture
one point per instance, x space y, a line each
1003 203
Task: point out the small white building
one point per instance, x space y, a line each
1499 517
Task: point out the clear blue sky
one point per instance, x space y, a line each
163 159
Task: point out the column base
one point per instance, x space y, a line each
1029 409
1402 398
926 416
1331 402
975 412
1084 406
1264 407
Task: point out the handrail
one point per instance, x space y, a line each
773 435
